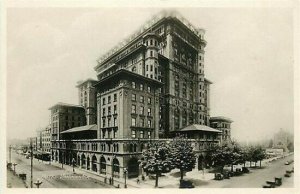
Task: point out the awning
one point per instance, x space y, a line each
81 129
196 127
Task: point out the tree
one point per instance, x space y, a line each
221 156
259 154
182 155
156 160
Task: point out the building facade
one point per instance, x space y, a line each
87 99
149 89
224 125
46 139
173 53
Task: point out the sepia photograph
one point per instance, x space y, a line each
149 97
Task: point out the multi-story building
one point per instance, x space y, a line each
87 99
224 125
152 86
65 116
46 139
172 52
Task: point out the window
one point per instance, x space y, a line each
155 70
151 67
142 110
133 97
109 100
142 122
133 109
147 68
133 134
141 99
149 123
149 89
115 97
133 85
133 121
141 87
149 100
109 111
151 42
109 122
115 133
115 121
151 53
149 134
141 134
103 112
149 112
115 109
103 101
103 122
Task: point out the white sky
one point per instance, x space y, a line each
249 59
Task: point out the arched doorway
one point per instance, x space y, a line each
116 168
133 168
94 163
83 161
88 163
200 162
102 165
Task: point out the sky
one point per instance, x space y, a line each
248 57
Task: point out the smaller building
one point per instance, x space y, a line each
87 99
224 125
46 139
65 116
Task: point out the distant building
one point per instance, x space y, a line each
46 139
224 125
65 116
87 99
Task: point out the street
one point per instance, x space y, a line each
53 176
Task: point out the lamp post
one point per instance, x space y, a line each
14 164
38 183
125 175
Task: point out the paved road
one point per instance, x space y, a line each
52 176
258 177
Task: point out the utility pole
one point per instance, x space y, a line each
31 158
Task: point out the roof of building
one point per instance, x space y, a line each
79 83
197 127
82 128
65 104
208 81
148 28
128 73
220 118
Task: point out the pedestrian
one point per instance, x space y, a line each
110 180
138 181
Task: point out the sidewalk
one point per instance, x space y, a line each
93 175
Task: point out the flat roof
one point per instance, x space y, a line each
220 118
79 83
197 127
65 104
81 129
